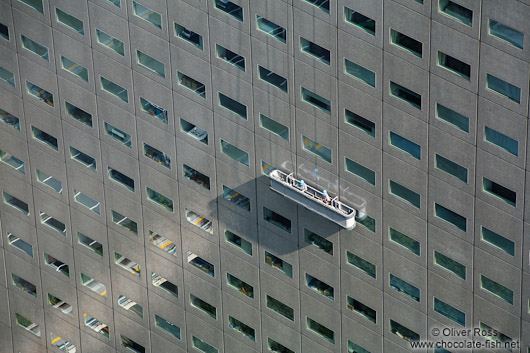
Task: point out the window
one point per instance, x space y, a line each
197 342
236 198
34 4
147 14
451 217
4 31
361 264
503 88
78 114
131 345
199 221
277 219
316 100
407 43
164 284
24 285
359 122
404 194
114 89
271 28
194 131
241 286
159 199
116 3
449 312
16 203
454 65
273 78
7 76
450 265
117 134
233 105
230 57
127 264
34 47
321 4
167 326
315 50
457 12
277 263
502 141
317 149
44 138
60 305
498 337
94 285
196 176
70 21
27 324
124 222
163 243
403 332
95 325
188 35
130 305
154 110
157 156
357 19
361 309
62 344
280 308
121 178
110 42
238 242
497 241
266 168
355 348
320 330
191 84
230 8
87 201
318 241
200 304
404 240
19 244
496 289
275 347
359 72
405 94
359 170
9 119
83 158
274 127
404 287
57 265
234 153
450 168
90 243
201 264
506 33
12 161
319 286
451 117
40 93
151 63
499 191
242 328
405 145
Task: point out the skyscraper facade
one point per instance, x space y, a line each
136 143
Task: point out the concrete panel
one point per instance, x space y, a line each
75 139
80 12
120 207
158 6
193 247
361 336
19 149
155 224
95 270
173 314
232 266
370 9
453 295
21 191
414 320
119 75
60 251
13 105
278 12
192 208
235 309
120 245
312 309
199 288
80 99
155 94
94 230
115 123
275 332
126 328
81 185
26 232
51 285
40 120
90 308
46 206
169 271
163 185
159 140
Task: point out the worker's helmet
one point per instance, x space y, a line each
302 181
324 192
